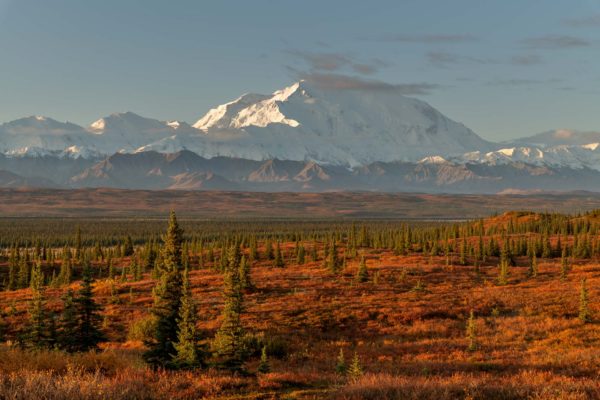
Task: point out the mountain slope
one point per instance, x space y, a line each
340 127
40 135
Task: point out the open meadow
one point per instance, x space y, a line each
500 308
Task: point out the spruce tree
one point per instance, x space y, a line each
228 344
362 274
245 279
332 261
67 339
269 250
278 262
167 299
355 370
503 272
188 353
88 334
37 330
340 366
584 311
301 255
23 273
564 265
263 366
533 267
78 243
471 332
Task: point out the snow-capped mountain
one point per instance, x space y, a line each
303 137
339 127
41 135
575 156
126 132
38 136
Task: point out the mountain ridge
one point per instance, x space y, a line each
300 138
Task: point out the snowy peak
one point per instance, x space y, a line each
571 156
224 115
305 122
129 131
126 123
35 124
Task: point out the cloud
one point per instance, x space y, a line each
443 59
322 61
424 39
347 82
330 62
526 59
553 42
365 69
591 20
521 82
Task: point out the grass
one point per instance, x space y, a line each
412 344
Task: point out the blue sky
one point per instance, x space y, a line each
504 68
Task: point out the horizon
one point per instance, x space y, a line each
506 71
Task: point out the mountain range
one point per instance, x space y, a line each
301 138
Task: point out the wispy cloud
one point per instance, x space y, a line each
347 82
331 61
443 59
590 20
521 82
554 42
322 61
526 59
424 39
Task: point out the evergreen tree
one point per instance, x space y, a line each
111 269
37 330
228 343
127 247
269 250
23 273
188 353
173 241
245 279
78 243
462 258
355 370
253 253
340 366
503 272
564 265
263 366
362 274
314 255
64 276
88 334
12 271
584 311
167 299
332 261
533 268
279 263
67 339
471 332
301 255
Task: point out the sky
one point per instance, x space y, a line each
505 69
